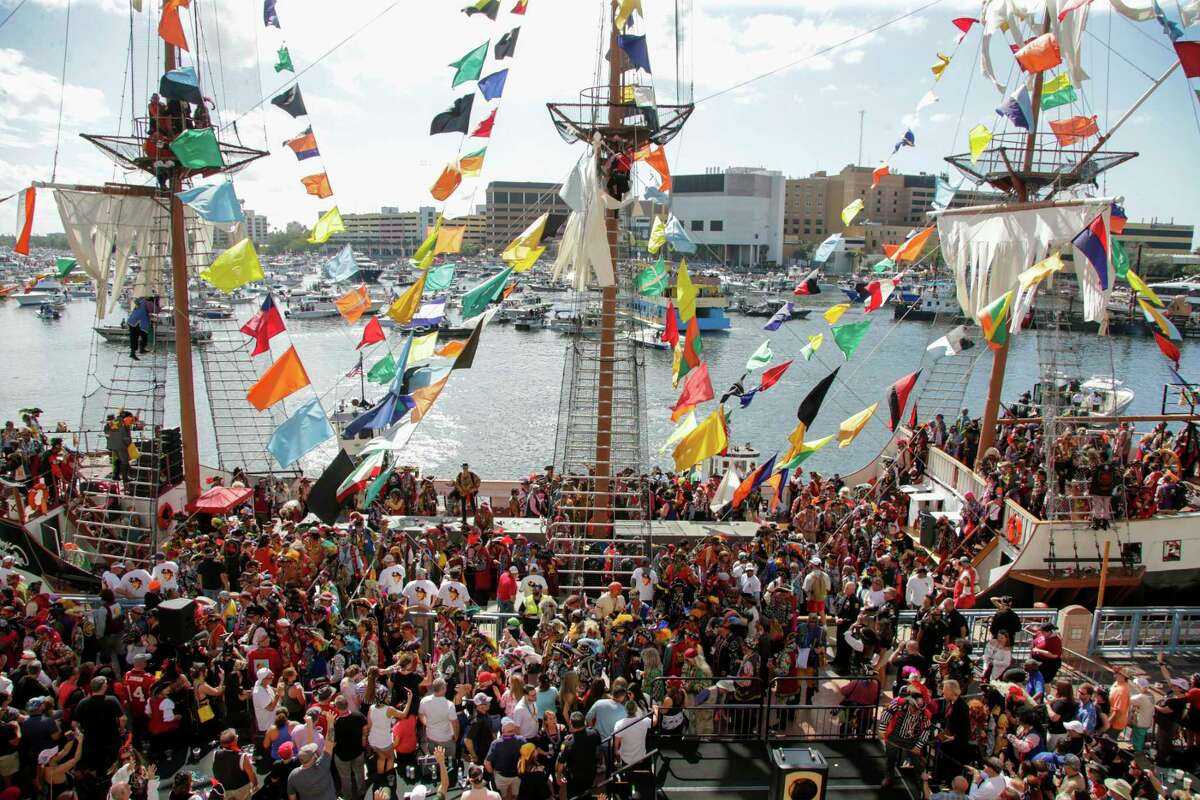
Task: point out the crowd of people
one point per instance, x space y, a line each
374 657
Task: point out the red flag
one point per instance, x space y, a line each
752 481
670 333
265 323
898 398
912 419
878 173
964 24
371 334
691 339
520 7
697 388
771 377
1169 348
808 285
25 204
878 293
1189 58
1070 6
485 128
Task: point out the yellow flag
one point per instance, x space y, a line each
796 438
685 293
706 441
426 261
658 235
422 348
425 251
850 428
940 67
686 426
676 364
236 267
978 138
1139 286
406 305
520 253
1040 271
834 313
851 211
814 344
626 11
329 224
450 239
808 447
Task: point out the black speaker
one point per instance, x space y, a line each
177 620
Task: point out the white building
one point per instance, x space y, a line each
734 215
257 227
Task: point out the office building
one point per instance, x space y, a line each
1154 238
388 232
512 205
734 215
257 227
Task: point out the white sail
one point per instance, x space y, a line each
988 250
583 255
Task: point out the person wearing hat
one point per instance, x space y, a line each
904 728
1168 715
1118 789
481 731
502 760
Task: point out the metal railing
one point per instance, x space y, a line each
978 622
1138 631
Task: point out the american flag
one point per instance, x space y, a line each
354 373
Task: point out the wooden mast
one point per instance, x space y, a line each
991 409
183 326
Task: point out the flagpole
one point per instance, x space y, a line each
362 379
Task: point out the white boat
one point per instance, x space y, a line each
647 336
38 297
163 331
311 310
1098 396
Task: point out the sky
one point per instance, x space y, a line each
374 73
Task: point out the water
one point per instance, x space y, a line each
500 416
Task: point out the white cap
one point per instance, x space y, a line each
1075 726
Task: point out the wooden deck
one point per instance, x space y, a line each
1061 589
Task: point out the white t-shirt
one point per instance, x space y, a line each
420 592
110 579
439 716
751 585
262 697
529 581
391 580
135 583
643 581
916 590
631 733
874 598
167 574
453 594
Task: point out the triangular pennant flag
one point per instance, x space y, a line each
801 452
851 211
634 47
658 235
286 376
300 434
912 247
670 333
322 498
752 481
779 317
878 174
265 323
291 101
450 239
304 145
929 99
1158 319
489 8
1039 54
652 281
471 164
470 66
405 306
64 266
329 224
1139 286
1092 242
1168 348
898 398
978 138
26 203
806 413
484 129
215 202
814 344
353 304
940 67
686 426
849 335
476 301
372 333
342 267
834 313
852 427
270 18
993 319
523 246
808 284
422 348
697 389
772 376
520 7
492 86
760 357
507 46
724 493
235 267
685 293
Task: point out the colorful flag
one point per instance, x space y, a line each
1168 348
878 174
849 335
169 26
429 314
456 119
489 8
269 16
807 411
291 101
1170 27
342 267
524 250
656 157
635 49
198 149
801 452
963 24
978 138
907 140
353 304
708 439
652 280
1070 130
685 293
779 317
724 493
236 267
760 357
1158 319
300 434
1039 54
677 237
422 348
520 7
405 306
284 377
318 185
1017 108
898 398
477 300
472 163
265 323
1116 219
1092 242
1027 284
878 293
1058 91
772 376
692 345
670 333
940 67
215 202
1139 286
492 86
366 470
26 202
384 370
1189 57
808 284
1120 258
993 319
470 66
484 129
912 247
439 278
686 426
180 84
625 13
697 389
283 60
329 224
814 344
852 426
304 145
834 313
65 266
507 46
851 211
752 481
450 239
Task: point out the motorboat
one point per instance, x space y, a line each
39 297
767 308
936 300
649 337
162 331
1098 396
311 309
48 312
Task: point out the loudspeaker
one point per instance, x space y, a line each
798 773
177 621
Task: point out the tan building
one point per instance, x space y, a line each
388 232
476 224
512 205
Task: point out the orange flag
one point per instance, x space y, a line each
169 26
446 183
911 249
353 304
285 376
451 349
878 173
656 157
1068 131
317 184
425 397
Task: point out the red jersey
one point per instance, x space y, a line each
137 685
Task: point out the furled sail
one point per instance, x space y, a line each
988 250
583 256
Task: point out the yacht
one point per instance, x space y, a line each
711 303
936 300
1098 396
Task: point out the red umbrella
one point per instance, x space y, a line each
220 500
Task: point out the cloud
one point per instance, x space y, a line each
31 95
853 56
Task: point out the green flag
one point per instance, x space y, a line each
476 301
761 357
197 149
1058 91
377 486
883 266
850 335
65 265
1120 258
383 371
439 278
652 281
283 60
469 67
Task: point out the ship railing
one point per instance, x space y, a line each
979 621
1131 632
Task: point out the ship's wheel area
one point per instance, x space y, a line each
142 149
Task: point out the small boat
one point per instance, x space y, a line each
648 337
48 312
936 300
564 320
311 310
163 331
38 298
1098 396
768 308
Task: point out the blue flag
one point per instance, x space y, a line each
181 84
341 267
300 434
635 48
825 249
907 140
215 202
677 237
492 86
747 398
397 387
387 412
781 316
1017 108
943 193
429 314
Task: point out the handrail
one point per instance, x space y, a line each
650 756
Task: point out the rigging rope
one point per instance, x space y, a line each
10 14
62 92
